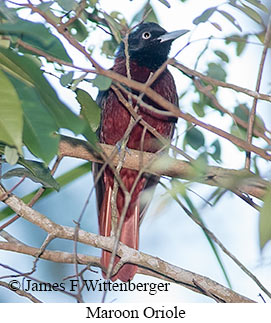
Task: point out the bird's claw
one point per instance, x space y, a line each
120 145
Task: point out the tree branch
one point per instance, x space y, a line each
208 79
21 293
206 90
252 114
241 180
152 266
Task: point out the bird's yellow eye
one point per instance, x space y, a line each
146 35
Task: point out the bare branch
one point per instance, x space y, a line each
156 267
241 180
208 79
21 293
252 114
206 90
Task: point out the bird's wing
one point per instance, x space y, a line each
100 188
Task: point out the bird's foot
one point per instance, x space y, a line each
122 145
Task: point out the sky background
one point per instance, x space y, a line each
166 232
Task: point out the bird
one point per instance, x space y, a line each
148 48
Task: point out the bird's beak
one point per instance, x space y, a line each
172 35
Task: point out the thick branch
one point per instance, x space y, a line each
55 256
241 180
164 269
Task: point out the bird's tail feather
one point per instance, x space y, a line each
129 236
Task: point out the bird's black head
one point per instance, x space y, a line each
149 44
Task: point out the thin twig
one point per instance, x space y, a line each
21 274
252 115
21 293
207 90
215 82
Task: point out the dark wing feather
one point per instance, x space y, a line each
153 180
100 188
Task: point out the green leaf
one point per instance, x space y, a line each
178 187
102 82
216 71
67 5
152 17
249 12
11 155
20 172
45 6
242 111
216 155
165 2
109 47
114 26
38 36
199 109
261 37
39 132
230 18
200 164
258 4
239 133
257 170
194 138
8 66
204 16
66 79
64 118
36 171
265 220
222 55
93 3
63 180
240 46
5 43
89 109
216 25
11 114
240 43
9 14
78 30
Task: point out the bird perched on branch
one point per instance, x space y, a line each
148 48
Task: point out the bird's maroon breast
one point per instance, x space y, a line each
116 118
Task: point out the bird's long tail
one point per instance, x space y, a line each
129 235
